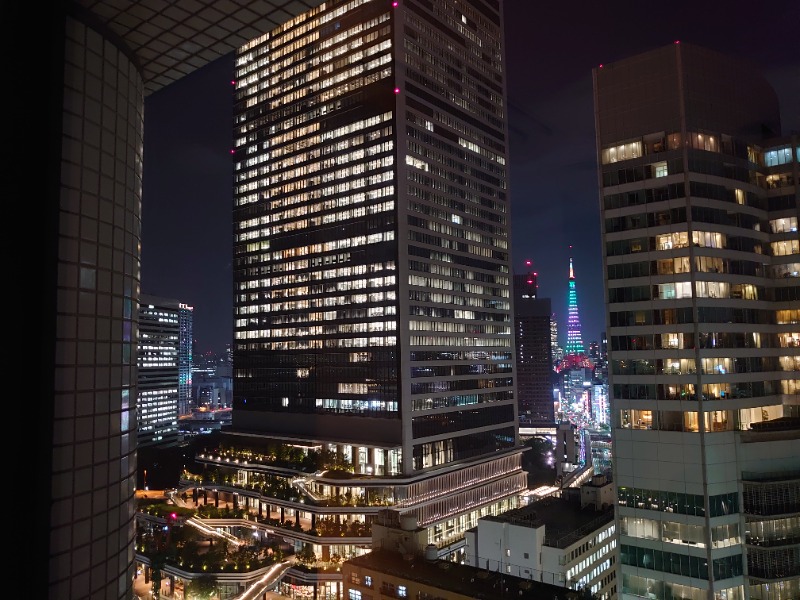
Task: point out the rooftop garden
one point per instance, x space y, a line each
287 456
280 487
170 541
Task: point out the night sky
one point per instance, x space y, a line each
551 49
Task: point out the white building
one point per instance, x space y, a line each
567 541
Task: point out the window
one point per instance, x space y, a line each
704 142
402 591
619 152
368 580
660 169
354 595
778 156
783 225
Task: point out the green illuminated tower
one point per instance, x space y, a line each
574 338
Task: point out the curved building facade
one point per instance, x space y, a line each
93 265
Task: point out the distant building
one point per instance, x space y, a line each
534 356
201 421
213 393
576 383
401 565
594 352
185 354
571 448
598 401
159 369
556 350
568 541
212 382
601 368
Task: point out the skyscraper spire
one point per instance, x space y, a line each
574 339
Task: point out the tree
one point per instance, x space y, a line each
306 556
202 587
538 462
157 563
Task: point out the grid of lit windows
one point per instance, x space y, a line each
321 153
701 293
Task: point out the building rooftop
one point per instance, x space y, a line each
564 520
472 582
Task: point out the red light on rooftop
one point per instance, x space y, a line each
394 4
233 82
530 280
396 90
601 66
677 41
528 263
233 151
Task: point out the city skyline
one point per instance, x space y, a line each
107 58
188 177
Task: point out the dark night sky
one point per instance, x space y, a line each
551 49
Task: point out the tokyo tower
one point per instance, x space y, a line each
574 338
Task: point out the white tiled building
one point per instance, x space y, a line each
567 541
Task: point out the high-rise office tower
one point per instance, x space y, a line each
594 352
601 368
534 367
574 333
159 362
373 312
699 205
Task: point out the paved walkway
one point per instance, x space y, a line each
140 588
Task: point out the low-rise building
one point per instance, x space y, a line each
401 566
565 541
